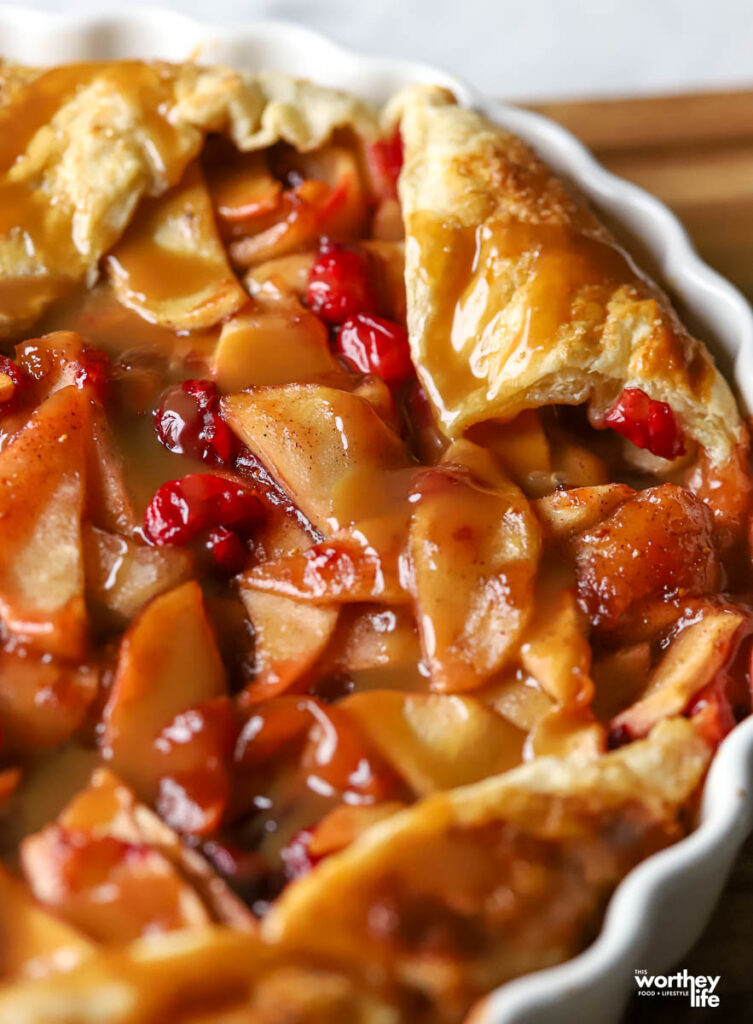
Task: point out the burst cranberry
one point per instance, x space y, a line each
188 421
181 509
647 423
339 284
228 551
385 161
372 344
92 371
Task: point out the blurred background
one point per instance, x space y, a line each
533 49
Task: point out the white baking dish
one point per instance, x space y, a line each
662 906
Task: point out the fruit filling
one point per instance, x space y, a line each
293 595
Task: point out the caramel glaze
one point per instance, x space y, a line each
25 209
566 275
152 273
374 646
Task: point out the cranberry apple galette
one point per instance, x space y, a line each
374 566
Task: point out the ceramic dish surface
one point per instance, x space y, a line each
661 907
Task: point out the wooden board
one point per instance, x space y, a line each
696 153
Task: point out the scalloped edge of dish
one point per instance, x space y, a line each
660 908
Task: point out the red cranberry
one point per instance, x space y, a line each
183 508
372 344
385 160
339 284
228 551
647 423
188 421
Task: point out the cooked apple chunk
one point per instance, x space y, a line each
329 449
123 574
33 942
362 563
42 495
107 807
627 558
562 732
436 741
289 637
167 663
241 185
376 647
329 200
108 889
474 549
555 648
274 343
170 266
565 513
694 657
43 702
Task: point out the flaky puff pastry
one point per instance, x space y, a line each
519 297
82 144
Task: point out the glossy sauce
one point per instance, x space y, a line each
25 209
247 770
536 279
154 273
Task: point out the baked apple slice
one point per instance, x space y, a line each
109 889
361 563
375 647
695 656
329 200
289 637
555 649
334 455
60 360
34 943
562 732
170 266
42 498
167 663
565 513
42 701
241 185
274 342
122 574
474 550
107 807
436 741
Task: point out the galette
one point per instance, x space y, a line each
374 554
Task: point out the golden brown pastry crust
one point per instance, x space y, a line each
587 820
519 297
467 856
82 144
